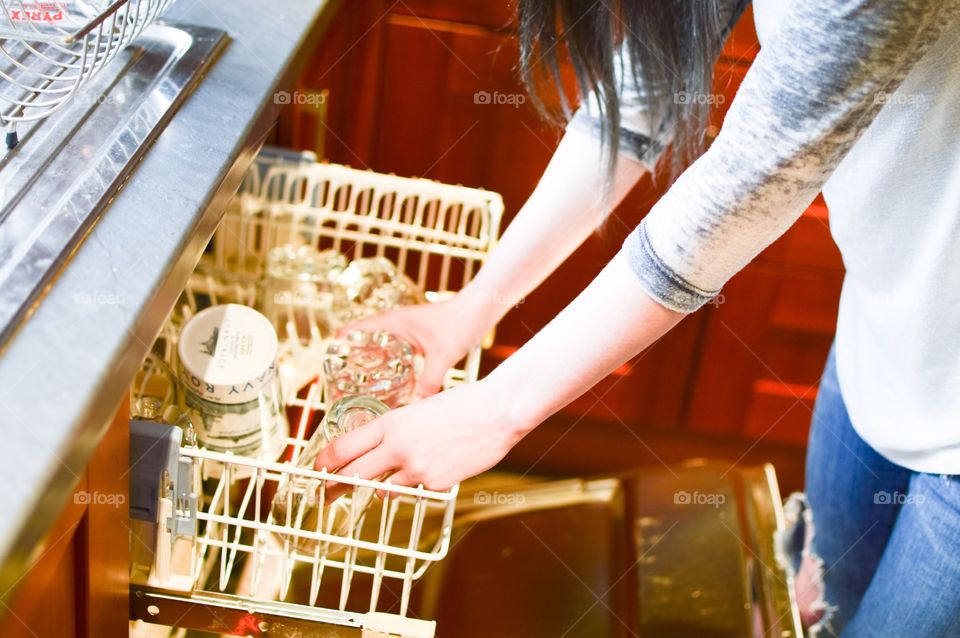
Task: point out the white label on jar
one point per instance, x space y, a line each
255 428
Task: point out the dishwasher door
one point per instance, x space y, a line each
680 551
210 552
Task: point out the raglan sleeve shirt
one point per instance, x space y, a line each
808 97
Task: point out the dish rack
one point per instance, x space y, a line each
50 48
215 531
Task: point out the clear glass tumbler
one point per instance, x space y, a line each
299 290
297 501
374 285
378 364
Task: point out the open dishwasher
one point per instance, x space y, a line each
639 553
208 552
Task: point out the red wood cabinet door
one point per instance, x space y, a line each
78 583
763 353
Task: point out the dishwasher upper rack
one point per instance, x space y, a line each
49 49
439 235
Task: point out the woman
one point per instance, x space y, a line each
857 98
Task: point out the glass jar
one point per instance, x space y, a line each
229 387
296 503
378 364
299 291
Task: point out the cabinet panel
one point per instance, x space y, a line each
742 44
763 352
779 412
492 14
463 117
48 600
78 583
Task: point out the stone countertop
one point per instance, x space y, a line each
70 363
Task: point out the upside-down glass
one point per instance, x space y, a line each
378 364
299 290
297 501
374 285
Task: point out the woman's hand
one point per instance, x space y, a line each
444 331
436 442
458 433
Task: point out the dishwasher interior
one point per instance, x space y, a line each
205 522
638 554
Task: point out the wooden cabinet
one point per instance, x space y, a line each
78 581
406 95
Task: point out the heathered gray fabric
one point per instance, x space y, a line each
810 94
859 98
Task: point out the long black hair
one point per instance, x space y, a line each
673 45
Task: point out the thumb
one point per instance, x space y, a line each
430 380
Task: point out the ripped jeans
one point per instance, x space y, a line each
885 539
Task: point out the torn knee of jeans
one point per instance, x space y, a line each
805 570
792 540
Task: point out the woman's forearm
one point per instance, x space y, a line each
566 206
611 321
452 435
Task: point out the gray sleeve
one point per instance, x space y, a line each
637 140
808 97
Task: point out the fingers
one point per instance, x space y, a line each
351 445
375 463
391 321
403 478
368 325
425 388
399 478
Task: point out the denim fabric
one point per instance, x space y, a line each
888 537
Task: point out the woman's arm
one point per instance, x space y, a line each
566 206
806 100
459 433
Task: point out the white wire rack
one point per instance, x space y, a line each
439 235
50 48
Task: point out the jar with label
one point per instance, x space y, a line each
296 503
229 383
378 364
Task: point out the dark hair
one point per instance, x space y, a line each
673 45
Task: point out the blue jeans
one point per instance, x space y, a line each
888 537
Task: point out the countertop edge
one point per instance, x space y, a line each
22 542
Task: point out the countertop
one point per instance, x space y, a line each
68 367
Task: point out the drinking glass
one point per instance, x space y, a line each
296 503
299 290
378 364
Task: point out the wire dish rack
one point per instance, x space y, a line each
49 49
439 235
